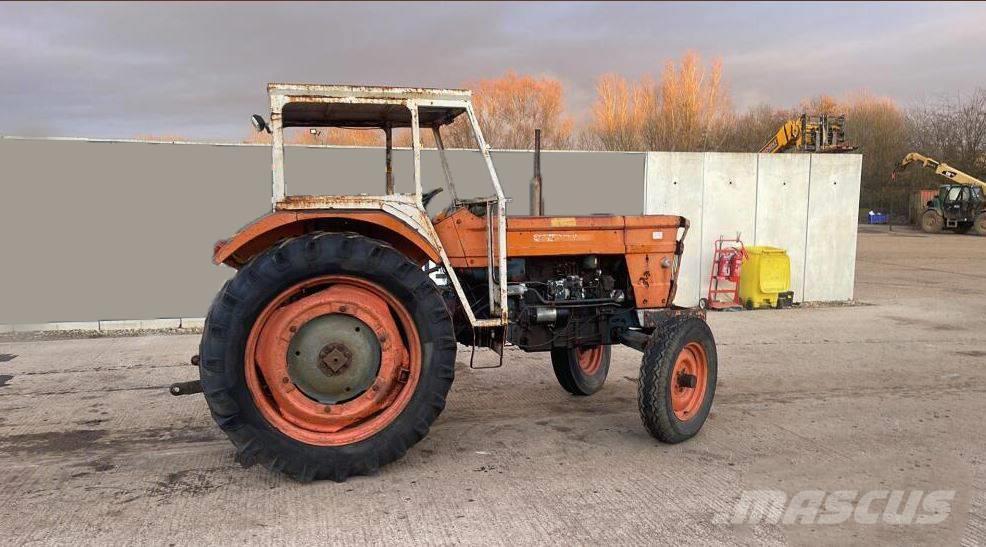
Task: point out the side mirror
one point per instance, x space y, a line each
259 123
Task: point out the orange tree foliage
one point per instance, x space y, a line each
510 108
688 108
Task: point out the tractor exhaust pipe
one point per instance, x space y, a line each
537 200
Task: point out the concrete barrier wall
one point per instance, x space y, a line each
782 210
93 230
805 204
833 205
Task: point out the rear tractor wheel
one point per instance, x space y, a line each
979 224
932 222
327 356
678 379
581 371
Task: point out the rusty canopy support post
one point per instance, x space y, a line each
278 188
388 131
445 167
537 199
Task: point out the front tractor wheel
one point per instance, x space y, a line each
678 379
327 356
932 222
581 371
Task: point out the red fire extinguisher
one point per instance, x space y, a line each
735 263
724 266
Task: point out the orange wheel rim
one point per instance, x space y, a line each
689 379
296 407
590 359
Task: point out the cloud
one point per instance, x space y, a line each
118 70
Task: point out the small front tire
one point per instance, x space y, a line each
581 371
678 379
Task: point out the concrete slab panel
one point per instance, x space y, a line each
782 209
830 250
192 322
77 325
33 327
154 324
673 185
730 203
125 324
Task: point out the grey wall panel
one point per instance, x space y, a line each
833 203
121 230
674 186
782 209
730 202
575 183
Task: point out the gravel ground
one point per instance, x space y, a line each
886 395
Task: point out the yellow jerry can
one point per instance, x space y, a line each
766 276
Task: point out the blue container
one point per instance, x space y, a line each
879 218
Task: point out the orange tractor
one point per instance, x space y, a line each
331 351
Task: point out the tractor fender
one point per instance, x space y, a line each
273 227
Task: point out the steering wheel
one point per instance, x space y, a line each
427 196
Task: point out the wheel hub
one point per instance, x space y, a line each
333 358
690 376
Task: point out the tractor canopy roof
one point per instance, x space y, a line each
318 105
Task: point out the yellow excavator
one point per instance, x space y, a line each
819 134
960 204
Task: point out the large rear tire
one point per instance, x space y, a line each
327 356
581 371
678 379
979 225
932 222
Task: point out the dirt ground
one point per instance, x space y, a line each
886 395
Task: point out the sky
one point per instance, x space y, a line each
198 70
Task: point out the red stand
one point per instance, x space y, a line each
727 261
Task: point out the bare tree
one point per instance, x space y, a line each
878 127
953 130
690 108
687 109
336 136
511 107
752 129
616 114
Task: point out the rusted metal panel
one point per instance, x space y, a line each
656 318
276 89
269 229
650 246
650 276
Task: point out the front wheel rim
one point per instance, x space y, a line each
299 383
689 379
590 359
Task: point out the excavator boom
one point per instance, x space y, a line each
943 169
